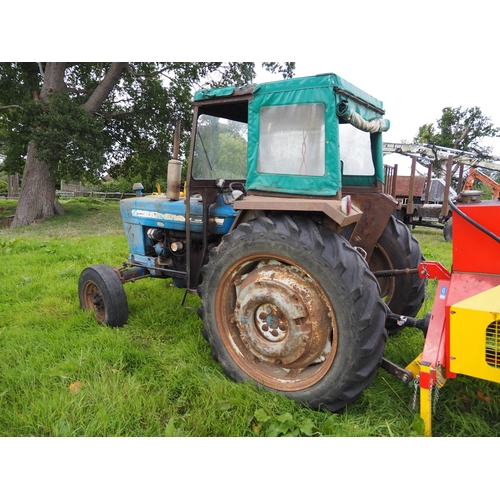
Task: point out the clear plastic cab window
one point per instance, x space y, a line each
220 149
355 151
292 140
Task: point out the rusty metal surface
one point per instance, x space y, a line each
281 318
397 371
332 208
277 322
377 209
94 301
380 262
412 185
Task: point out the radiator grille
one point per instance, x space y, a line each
493 344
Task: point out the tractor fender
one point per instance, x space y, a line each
253 205
377 209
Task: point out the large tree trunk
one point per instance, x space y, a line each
38 188
38 192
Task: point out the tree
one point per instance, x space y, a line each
223 150
78 120
459 129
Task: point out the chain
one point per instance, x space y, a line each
434 388
429 292
440 380
436 397
423 271
416 383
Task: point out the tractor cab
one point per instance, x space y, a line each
305 136
284 232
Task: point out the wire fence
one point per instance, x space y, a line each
99 195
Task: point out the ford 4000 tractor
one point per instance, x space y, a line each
285 233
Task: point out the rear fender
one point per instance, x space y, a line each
254 206
376 209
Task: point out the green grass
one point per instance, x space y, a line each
61 374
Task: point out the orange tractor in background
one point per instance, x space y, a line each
475 174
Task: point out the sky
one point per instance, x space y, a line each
411 100
412 97
416 57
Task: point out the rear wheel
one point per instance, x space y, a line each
101 291
293 307
398 249
447 229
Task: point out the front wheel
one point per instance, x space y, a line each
101 291
292 306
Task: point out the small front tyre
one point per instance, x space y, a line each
101 291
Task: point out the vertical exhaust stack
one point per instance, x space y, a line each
174 168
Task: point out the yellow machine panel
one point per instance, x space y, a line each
475 336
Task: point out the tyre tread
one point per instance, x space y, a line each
357 282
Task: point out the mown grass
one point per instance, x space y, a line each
61 374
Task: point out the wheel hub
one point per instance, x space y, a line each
281 317
98 302
270 322
93 299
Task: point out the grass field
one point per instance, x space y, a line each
61 374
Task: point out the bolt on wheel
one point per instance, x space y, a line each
293 307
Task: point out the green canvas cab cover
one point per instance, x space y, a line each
293 133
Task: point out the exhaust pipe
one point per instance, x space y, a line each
174 170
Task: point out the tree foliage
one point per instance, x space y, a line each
221 149
129 133
457 128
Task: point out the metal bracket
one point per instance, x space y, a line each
397 371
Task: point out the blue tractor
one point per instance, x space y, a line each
284 232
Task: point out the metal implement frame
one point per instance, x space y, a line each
434 353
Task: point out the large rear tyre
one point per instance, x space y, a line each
101 291
447 229
293 307
398 249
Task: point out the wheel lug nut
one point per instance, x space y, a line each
274 333
265 327
262 315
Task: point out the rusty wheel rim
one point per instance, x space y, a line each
276 322
94 300
380 261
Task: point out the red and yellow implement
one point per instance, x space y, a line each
463 336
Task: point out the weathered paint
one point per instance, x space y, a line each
281 317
